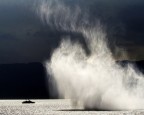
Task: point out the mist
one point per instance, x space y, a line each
92 80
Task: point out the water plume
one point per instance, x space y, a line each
94 80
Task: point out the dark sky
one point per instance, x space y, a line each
24 38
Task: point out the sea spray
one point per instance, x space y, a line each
93 80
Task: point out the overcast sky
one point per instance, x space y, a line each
24 38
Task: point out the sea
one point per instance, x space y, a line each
53 107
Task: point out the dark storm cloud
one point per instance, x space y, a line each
25 38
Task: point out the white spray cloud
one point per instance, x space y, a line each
94 81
